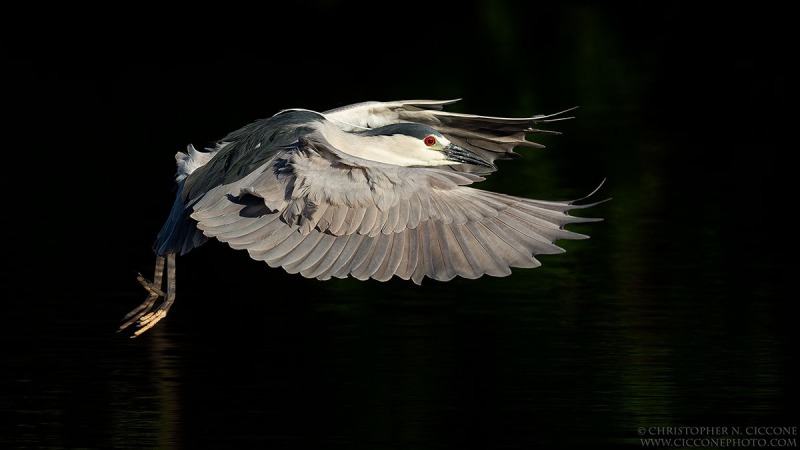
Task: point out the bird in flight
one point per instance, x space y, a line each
369 190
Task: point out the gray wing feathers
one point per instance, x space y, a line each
434 248
327 215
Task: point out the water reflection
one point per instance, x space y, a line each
560 355
503 367
145 407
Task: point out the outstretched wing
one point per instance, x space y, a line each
492 138
323 213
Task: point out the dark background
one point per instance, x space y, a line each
677 312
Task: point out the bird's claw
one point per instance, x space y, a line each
150 311
144 316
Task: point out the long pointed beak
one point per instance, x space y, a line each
462 155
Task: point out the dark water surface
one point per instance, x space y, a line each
575 354
678 312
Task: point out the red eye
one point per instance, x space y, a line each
430 140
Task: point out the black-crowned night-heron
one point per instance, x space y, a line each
369 190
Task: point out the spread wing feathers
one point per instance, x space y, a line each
492 138
324 214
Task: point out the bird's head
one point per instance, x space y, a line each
414 144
